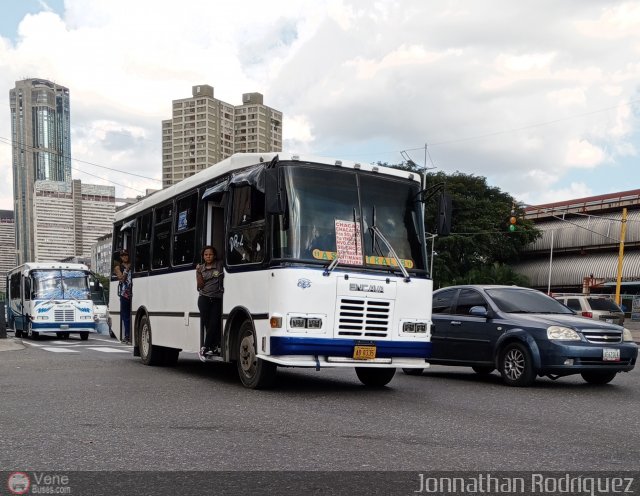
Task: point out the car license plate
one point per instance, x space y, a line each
609 321
361 352
610 355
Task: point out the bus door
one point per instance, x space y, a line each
214 232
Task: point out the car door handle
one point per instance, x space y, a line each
455 322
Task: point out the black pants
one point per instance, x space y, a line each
210 319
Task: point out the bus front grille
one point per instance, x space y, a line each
363 317
64 315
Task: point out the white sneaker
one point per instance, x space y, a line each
201 354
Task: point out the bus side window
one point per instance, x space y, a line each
162 236
143 243
245 243
184 239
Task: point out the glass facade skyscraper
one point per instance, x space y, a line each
41 150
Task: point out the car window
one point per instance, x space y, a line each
519 300
573 304
443 301
469 298
603 304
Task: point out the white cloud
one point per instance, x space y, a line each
491 92
582 154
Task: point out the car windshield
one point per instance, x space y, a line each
518 300
603 304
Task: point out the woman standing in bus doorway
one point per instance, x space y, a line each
209 276
123 273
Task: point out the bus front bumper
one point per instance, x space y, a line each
321 353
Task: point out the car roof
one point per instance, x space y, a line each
485 286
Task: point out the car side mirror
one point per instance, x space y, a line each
478 311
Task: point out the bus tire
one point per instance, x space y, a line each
149 354
376 378
254 372
32 334
84 336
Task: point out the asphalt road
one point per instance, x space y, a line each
97 410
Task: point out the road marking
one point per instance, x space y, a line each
106 349
33 344
60 350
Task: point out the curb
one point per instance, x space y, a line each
11 344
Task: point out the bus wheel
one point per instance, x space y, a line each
375 377
84 336
254 372
149 354
31 333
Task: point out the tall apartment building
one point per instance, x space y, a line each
71 217
7 246
41 150
101 258
204 130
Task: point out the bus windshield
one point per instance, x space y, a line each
60 284
331 211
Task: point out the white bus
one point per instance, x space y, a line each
50 298
325 265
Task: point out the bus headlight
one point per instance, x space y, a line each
301 321
414 327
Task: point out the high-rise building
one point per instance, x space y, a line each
70 218
258 128
7 246
41 150
204 130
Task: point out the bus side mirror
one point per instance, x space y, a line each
274 195
444 214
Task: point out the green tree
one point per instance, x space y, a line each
480 243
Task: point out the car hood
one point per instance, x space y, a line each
545 320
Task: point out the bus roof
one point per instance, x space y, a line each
242 160
48 265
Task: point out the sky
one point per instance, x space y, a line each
541 98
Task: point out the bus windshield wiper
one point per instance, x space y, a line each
374 229
332 265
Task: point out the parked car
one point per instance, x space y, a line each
599 307
524 334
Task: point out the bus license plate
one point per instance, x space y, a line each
610 355
361 352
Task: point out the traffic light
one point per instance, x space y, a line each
512 218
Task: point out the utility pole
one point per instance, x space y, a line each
623 232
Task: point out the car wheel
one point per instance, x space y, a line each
598 377
84 336
483 369
254 372
375 377
516 366
413 371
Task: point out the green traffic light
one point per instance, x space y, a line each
512 228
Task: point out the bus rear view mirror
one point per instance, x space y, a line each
275 201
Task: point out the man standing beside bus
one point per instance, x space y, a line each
123 273
209 276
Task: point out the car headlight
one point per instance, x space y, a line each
626 335
562 333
